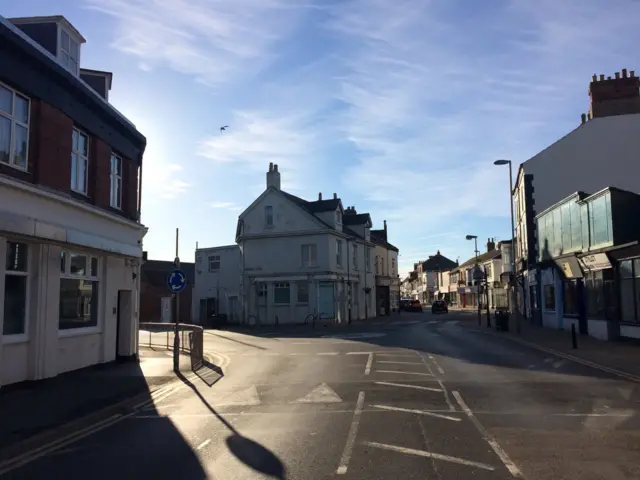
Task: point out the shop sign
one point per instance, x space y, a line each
597 261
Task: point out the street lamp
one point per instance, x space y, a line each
475 272
513 241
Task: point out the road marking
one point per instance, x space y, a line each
245 397
548 360
360 353
405 373
383 354
367 369
404 385
327 353
419 412
204 444
296 353
495 446
399 363
351 438
271 354
432 322
558 364
433 360
300 343
446 396
323 393
435 456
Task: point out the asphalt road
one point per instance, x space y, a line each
426 398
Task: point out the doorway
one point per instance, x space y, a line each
124 333
165 309
326 303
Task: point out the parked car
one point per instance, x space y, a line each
414 306
439 306
404 303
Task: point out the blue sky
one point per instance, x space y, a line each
398 106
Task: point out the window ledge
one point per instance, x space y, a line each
77 332
15 167
14 339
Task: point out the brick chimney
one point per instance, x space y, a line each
273 177
319 195
491 244
385 228
614 96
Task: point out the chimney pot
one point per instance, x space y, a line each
273 177
617 75
632 73
601 77
335 196
271 166
609 77
594 78
584 117
275 167
319 195
624 73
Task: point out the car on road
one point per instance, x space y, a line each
414 306
439 306
404 303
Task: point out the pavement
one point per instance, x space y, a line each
430 397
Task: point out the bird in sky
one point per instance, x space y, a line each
223 129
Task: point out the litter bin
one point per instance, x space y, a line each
502 320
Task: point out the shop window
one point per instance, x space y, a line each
16 285
79 287
570 298
550 298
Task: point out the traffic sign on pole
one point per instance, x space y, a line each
176 281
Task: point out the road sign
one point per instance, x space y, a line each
176 281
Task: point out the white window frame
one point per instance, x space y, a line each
268 215
309 255
81 158
67 54
339 253
115 193
20 337
212 260
73 332
281 285
14 121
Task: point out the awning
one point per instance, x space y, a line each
569 266
595 262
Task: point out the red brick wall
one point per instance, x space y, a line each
99 174
130 188
52 155
151 303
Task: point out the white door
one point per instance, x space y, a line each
326 303
166 309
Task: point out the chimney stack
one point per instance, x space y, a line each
615 96
319 195
335 196
273 177
384 222
491 244
583 117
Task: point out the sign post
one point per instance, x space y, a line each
176 281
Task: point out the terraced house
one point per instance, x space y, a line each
70 231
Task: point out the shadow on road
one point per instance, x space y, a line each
246 450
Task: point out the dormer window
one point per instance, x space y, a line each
69 52
338 217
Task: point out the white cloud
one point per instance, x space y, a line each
161 180
212 40
221 204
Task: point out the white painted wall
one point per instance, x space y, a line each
227 281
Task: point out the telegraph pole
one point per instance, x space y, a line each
176 336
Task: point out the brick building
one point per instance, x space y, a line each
155 297
70 169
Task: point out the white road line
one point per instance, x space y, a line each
558 364
301 343
396 354
495 446
272 354
446 396
435 456
367 369
404 385
327 353
358 353
419 412
431 322
296 354
351 438
400 363
204 444
405 373
433 360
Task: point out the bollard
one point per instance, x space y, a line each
574 339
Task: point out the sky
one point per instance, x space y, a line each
400 107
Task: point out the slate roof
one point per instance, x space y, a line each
382 240
438 263
155 272
316 206
356 218
481 259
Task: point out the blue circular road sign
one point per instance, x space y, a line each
176 281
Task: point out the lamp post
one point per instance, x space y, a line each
513 241
475 269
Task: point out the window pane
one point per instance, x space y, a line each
78 303
16 260
21 112
627 306
20 139
281 293
83 142
549 297
64 59
636 267
73 65
74 139
5 139
626 269
15 304
595 298
599 221
64 41
74 171
565 213
6 100
63 262
94 267
82 175
78 264
73 50
303 292
557 232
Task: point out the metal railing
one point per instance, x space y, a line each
161 335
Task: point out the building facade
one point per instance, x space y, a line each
156 301
601 151
387 280
587 252
70 230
